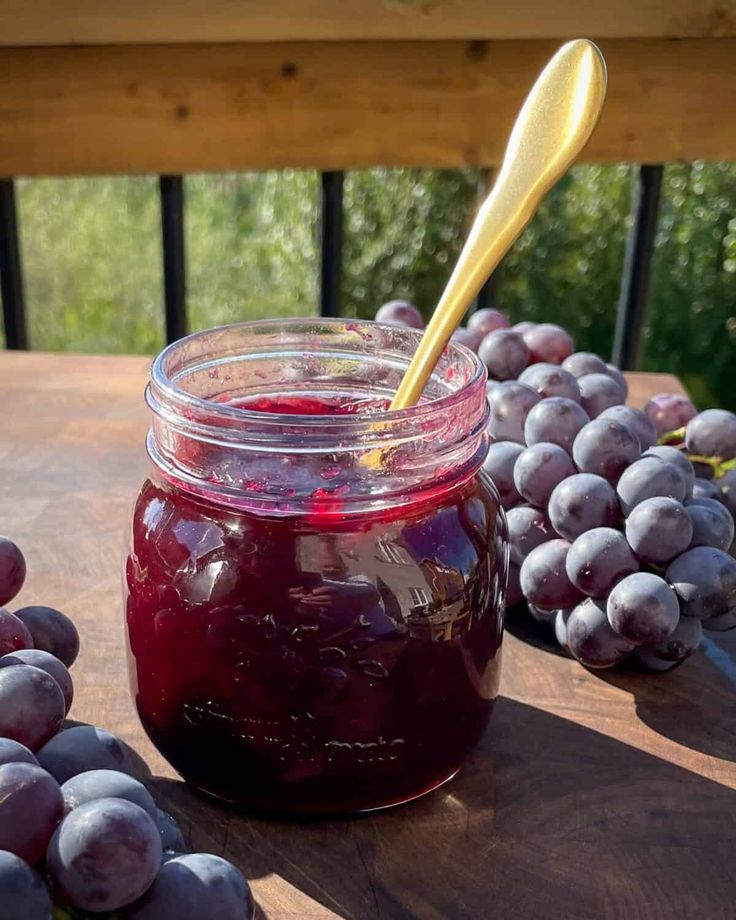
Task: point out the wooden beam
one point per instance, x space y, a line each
90 22
188 108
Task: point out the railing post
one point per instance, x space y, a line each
637 265
11 274
331 250
171 189
488 294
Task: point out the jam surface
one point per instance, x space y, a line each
300 664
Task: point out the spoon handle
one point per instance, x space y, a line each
551 129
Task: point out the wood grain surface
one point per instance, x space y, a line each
209 107
606 796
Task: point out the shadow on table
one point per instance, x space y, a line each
548 820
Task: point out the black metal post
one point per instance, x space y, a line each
637 264
11 274
331 252
171 190
488 294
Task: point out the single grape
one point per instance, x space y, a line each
52 631
556 420
81 748
551 380
504 353
523 326
172 839
649 477
580 503
599 392
106 784
615 374
548 342
635 421
487 320
31 805
13 633
584 362
12 570
727 487
606 448
712 523
539 469
32 705
541 616
400 313
590 637
510 403
543 577
669 411
658 529
643 608
721 623
23 895
528 528
499 465
105 854
704 578
194 886
560 627
14 752
598 559
467 338
678 459
712 434
45 662
705 488
679 645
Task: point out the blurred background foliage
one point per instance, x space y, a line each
91 250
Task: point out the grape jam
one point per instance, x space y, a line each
315 663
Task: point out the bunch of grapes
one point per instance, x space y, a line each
621 521
80 835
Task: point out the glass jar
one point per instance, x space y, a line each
314 588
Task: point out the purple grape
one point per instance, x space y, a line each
15 752
539 469
584 362
712 523
615 374
52 631
549 343
45 662
598 559
12 570
82 748
499 465
727 487
484 321
560 627
541 616
194 886
504 354
523 326
643 609
712 434
679 645
669 411
599 392
720 623
23 894
104 855
467 338
543 577
555 420
649 477
635 421
528 528
172 839
658 529
580 503
106 784
590 637
678 459
31 806
704 578
510 403
13 633
606 448
551 380
704 488
32 705
400 313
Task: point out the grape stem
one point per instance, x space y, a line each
719 465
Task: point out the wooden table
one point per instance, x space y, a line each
608 796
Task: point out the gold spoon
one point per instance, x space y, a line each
552 128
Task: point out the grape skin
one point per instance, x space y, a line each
615 374
487 320
14 752
52 631
31 805
669 411
649 477
580 503
712 523
598 559
44 662
467 338
556 420
590 638
510 402
105 784
543 576
12 570
704 488
643 609
599 392
23 895
499 465
13 633
551 380
504 353
549 343
81 748
673 650
727 487
539 469
400 313
720 623
635 421
172 839
584 362
105 854
527 528
606 448
704 578
712 434
32 705
560 627
659 529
